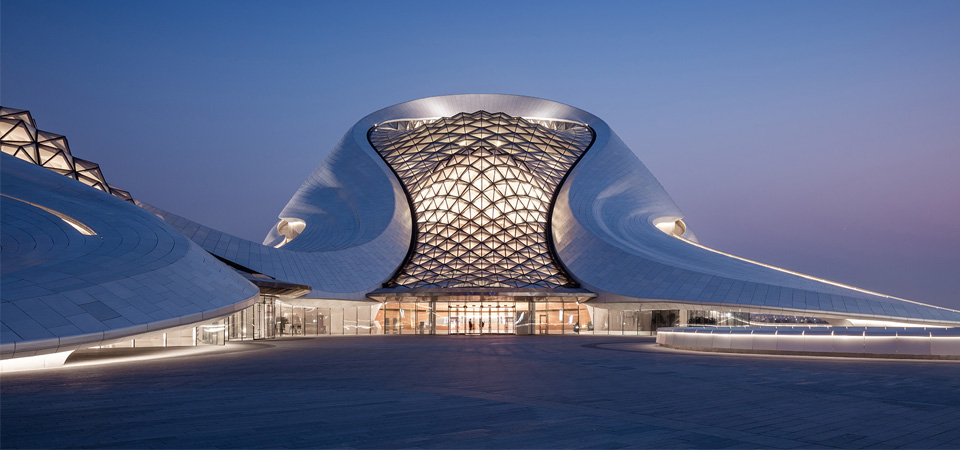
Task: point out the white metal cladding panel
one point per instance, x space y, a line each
357 232
348 273
358 222
358 228
62 289
349 200
603 225
604 233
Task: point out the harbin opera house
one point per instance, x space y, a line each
461 214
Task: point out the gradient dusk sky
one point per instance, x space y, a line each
822 137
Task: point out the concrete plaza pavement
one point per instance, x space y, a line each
482 392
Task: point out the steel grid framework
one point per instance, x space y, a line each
481 186
20 137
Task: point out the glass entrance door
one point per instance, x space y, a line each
480 318
502 319
476 315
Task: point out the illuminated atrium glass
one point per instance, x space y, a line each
20 137
481 186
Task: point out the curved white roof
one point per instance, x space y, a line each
81 267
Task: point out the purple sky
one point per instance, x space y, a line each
821 137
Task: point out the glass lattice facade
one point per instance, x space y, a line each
20 137
481 186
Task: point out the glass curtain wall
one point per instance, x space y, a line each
213 334
714 318
744 319
270 317
645 322
316 321
209 334
479 316
638 322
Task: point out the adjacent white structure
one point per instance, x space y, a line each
82 268
461 214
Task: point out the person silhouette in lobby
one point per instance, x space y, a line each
470 325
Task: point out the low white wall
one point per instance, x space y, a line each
34 362
929 343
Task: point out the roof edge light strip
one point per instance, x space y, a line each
425 120
76 224
808 277
537 120
545 120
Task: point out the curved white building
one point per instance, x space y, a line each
502 206
83 268
455 214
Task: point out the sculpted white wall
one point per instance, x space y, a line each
62 290
358 222
604 229
358 230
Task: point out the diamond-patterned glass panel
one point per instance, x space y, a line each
20 137
481 186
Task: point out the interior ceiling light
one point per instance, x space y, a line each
481 187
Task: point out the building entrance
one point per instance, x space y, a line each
483 315
477 318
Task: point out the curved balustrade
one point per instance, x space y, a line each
875 342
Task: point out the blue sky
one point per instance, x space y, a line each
818 136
